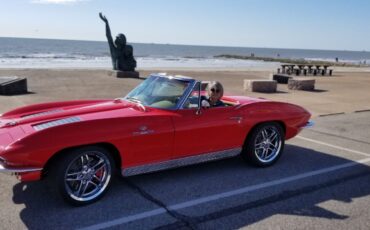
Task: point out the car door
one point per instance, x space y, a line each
207 130
151 139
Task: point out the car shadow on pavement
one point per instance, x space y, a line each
45 210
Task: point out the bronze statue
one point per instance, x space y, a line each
121 53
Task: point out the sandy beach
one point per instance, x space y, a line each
344 92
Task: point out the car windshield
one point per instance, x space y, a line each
160 92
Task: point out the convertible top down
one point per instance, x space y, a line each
79 145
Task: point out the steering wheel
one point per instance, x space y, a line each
176 99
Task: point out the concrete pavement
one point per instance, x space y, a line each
321 181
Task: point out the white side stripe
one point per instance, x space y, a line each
333 146
127 219
195 202
265 185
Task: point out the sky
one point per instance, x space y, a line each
309 24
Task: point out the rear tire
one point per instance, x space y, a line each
264 145
82 176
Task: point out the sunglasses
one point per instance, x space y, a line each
215 90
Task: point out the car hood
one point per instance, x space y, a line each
58 110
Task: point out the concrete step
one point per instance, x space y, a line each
12 85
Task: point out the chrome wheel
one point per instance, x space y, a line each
87 176
267 144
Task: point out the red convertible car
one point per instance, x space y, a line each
161 124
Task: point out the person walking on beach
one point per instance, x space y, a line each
121 53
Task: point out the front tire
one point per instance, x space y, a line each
82 176
264 145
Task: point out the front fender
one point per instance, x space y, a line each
293 117
38 147
47 106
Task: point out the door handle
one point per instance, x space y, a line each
143 132
238 119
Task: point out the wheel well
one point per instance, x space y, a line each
109 147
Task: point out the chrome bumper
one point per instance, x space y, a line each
309 124
14 171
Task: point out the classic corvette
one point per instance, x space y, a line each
161 124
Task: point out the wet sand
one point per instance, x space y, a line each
348 90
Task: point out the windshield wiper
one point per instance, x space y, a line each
137 102
134 99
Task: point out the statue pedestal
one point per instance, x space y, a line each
124 74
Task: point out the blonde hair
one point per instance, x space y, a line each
215 85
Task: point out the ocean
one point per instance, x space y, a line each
50 53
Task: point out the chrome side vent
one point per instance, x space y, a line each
42 113
2 160
50 124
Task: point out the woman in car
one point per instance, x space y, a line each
215 92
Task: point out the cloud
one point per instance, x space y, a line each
57 1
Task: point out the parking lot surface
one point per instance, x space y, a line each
322 181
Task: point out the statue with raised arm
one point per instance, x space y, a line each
121 53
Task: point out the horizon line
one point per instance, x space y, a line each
178 44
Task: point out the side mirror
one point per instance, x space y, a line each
204 105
